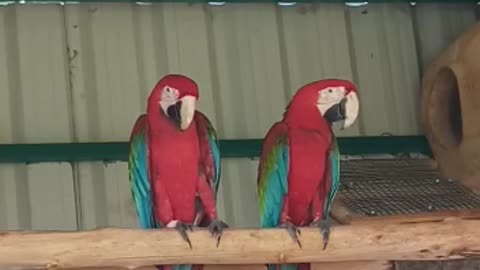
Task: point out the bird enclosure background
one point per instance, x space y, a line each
82 73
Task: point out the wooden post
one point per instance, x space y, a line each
449 239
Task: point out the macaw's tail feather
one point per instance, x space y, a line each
286 267
176 267
289 267
301 266
179 267
304 266
182 267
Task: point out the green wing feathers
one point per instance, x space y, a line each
334 162
210 150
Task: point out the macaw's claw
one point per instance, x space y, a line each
182 229
324 226
293 231
216 229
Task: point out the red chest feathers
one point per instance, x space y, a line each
175 157
308 152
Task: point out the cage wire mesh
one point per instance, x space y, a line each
399 187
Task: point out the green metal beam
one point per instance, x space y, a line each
250 148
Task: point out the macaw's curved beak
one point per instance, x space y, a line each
182 112
346 111
352 108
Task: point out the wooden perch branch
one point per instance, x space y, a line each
351 265
132 248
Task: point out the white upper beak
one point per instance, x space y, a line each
352 107
187 111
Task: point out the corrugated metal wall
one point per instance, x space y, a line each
81 73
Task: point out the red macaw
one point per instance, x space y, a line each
174 162
298 173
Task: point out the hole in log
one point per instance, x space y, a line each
424 251
445 109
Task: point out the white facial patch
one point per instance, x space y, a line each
168 97
329 96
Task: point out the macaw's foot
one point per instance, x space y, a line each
216 229
293 231
324 226
182 228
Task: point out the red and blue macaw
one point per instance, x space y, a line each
174 162
299 169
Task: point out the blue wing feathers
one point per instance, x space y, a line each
273 173
276 189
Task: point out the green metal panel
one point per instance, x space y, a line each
118 151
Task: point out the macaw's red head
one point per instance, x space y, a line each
174 96
335 99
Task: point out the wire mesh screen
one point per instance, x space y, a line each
404 186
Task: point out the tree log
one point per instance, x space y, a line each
353 265
449 239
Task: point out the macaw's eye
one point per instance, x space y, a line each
330 90
168 89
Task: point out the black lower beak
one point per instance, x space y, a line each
174 113
336 113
